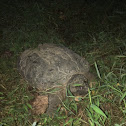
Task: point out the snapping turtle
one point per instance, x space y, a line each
50 66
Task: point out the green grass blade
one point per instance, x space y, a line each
98 110
123 96
98 73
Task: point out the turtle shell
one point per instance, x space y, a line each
51 65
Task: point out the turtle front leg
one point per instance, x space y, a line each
54 100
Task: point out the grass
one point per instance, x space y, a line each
93 31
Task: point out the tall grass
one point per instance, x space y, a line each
93 31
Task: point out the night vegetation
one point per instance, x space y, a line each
94 29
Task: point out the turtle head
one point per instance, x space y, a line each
78 84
